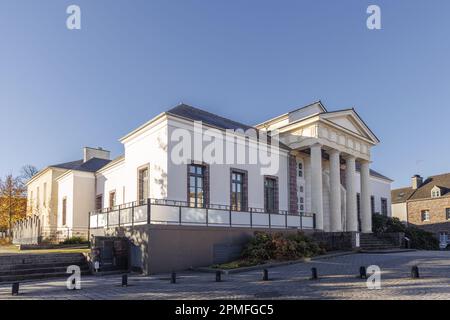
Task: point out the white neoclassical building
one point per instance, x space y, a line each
322 175
334 149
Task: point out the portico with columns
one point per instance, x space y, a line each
332 149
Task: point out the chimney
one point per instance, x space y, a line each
417 181
89 153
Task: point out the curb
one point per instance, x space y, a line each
386 251
274 264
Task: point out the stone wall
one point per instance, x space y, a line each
438 222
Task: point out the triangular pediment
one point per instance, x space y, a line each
350 121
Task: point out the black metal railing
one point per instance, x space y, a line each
140 212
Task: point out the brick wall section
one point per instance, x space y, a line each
436 207
293 201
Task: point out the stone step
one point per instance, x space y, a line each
35 276
11 267
43 270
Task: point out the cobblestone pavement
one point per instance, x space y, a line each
338 280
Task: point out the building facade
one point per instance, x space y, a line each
323 161
425 204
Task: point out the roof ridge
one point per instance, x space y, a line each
212 114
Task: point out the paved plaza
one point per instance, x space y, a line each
338 280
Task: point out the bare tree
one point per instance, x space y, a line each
27 172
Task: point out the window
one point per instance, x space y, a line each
443 237
435 192
112 199
358 210
425 215
447 213
238 191
301 188
143 189
98 202
196 182
384 207
372 204
64 211
300 169
270 195
45 194
37 198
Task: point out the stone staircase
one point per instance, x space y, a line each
20 267
369 241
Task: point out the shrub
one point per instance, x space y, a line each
264 246
74 240
419 238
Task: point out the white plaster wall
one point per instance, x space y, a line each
379 189
220 177
66 189
148 148
399 211
112 179
83 199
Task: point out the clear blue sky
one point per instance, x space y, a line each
248 60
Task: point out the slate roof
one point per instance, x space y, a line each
373 173
424 191
195 114
186 111
401 195
92 165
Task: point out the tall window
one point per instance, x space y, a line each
64 211
372 204
238 192
384 207
37 198
44 201
358 209
196 180
143 189
300 169
98 202
425 215
447 213
112 199
270 196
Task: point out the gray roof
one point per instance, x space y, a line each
373 173
192 113
186 111
91 165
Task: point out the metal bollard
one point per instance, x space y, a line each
265 275
173 278
314 274
415 272
362 272
218 276
124 280
15 289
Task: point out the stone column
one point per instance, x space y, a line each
335 192
352 215
316 184
366 214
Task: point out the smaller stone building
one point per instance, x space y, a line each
425 204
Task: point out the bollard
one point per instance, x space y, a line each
415 272
314 274
362 272
124 280
173 278
15 289
265 275
218 276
